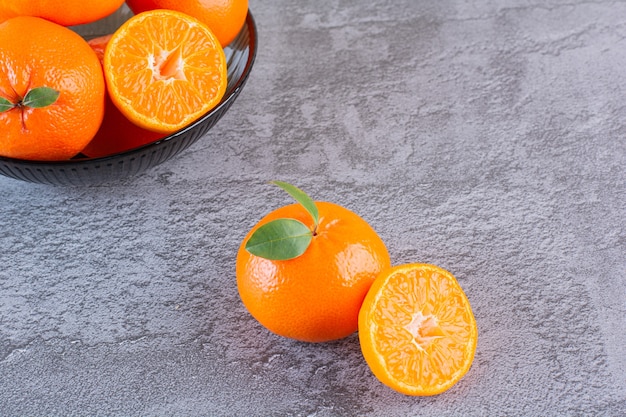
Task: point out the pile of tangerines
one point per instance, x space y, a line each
61 95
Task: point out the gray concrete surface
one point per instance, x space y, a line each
487 137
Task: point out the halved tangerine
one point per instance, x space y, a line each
417 330
164 69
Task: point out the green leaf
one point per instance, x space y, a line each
280 240
40 97
5 105
302 198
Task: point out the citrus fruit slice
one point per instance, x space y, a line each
417 330
164 69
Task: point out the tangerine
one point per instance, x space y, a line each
51 90
316 296
63 12
417 330
164 69
224 17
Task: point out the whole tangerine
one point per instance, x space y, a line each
316 296
63 12
224 17
51 90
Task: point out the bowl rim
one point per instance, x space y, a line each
76 163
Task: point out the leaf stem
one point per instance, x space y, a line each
285 239
304 200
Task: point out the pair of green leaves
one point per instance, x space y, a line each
36 98
284 239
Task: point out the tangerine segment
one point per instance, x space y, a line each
417 330
164 69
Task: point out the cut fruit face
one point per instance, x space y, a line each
417 330
164 69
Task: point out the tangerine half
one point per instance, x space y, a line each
164 69
417 330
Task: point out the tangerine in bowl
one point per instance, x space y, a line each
120 152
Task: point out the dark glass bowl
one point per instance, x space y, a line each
81 170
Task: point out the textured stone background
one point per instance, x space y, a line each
487 137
